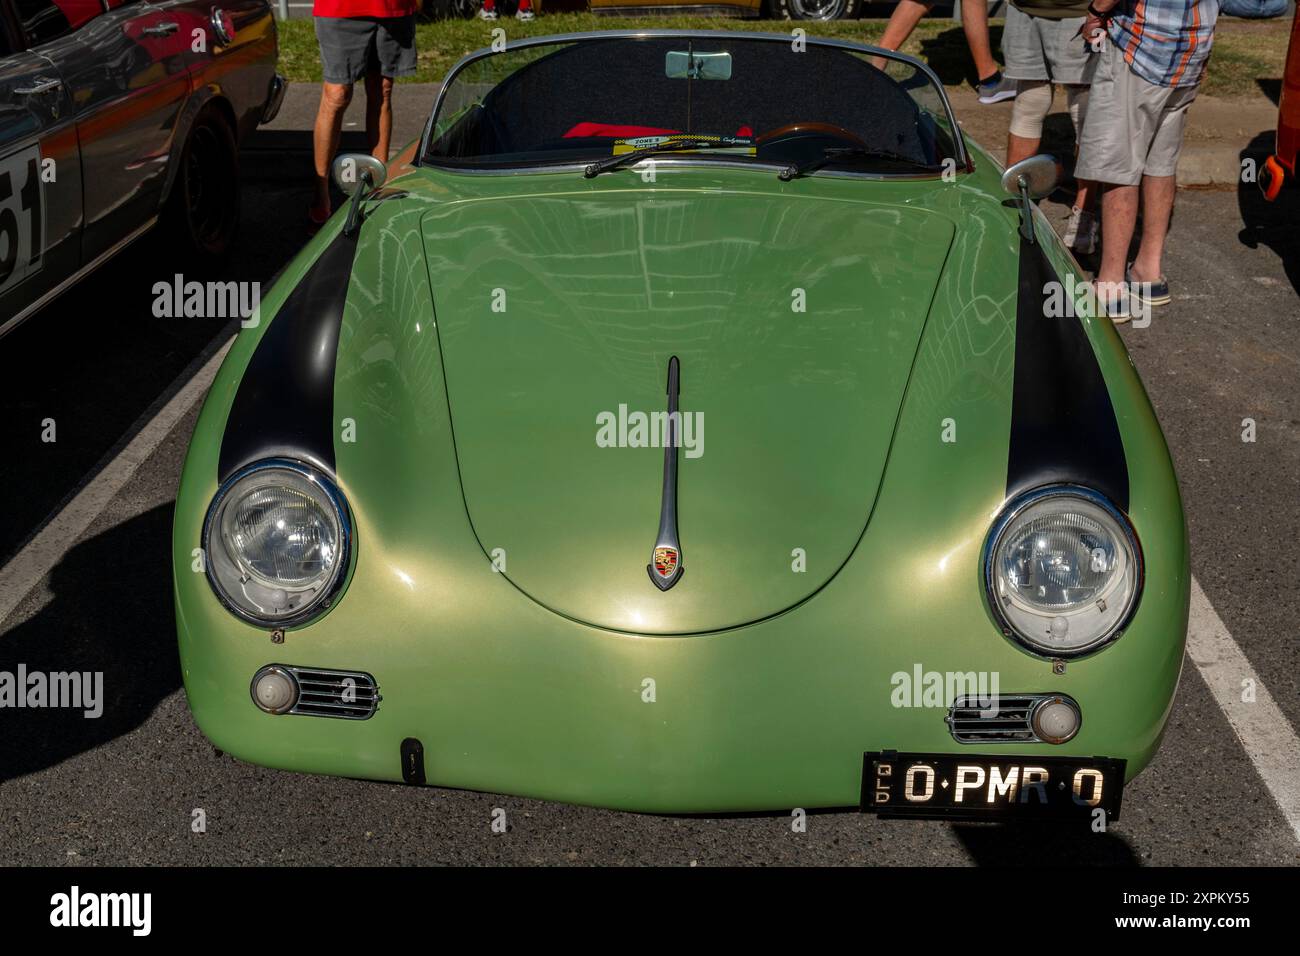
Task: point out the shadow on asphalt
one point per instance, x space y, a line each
95 360
111 612
1042 844
1274 225
1270 88
284 157
949 56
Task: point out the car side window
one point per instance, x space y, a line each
46 20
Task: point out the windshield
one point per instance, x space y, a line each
716 97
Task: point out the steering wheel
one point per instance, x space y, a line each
825 129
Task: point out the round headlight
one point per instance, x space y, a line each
1063 570
277 540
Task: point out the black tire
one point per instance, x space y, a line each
202 214
814 9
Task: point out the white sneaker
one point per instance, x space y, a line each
523 16
1081 232
486 14
996 89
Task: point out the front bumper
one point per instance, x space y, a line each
502 695
274 98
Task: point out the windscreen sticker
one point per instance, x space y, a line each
740 145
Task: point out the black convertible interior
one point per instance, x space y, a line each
786 105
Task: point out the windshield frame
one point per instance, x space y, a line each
963 158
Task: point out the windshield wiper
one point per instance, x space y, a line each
623 159
834 154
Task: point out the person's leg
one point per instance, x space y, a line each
334 100
394 56
1114 138
344 49
1076 101
379 114
975 24
1159 182
1157 208
1081 232
1021 51
1020 147
1033 103
907 14
1119 206
1085 191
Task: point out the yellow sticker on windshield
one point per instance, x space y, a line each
739 145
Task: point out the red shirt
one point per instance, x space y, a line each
364 8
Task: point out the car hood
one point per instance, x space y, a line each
795 320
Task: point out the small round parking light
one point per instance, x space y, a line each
1056 720
274 690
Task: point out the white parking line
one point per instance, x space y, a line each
48 546
1264 732
1262 728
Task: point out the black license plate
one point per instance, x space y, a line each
976 787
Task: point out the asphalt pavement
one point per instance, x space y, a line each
125 788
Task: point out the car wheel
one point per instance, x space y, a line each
203 208
814 9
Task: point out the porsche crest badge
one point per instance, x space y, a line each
665 562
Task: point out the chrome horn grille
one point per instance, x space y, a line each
352 695
1005 718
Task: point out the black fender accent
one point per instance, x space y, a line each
285 403
1063 426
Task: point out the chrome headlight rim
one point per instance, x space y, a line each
1012 510
343 569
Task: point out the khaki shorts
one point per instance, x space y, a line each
1038 48
1133 128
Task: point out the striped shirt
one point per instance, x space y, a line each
1166 42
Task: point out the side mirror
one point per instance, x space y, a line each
1036 175
351 170
1030 179
357 174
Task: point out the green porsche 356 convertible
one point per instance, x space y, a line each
451 514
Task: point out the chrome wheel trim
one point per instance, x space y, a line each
817 9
